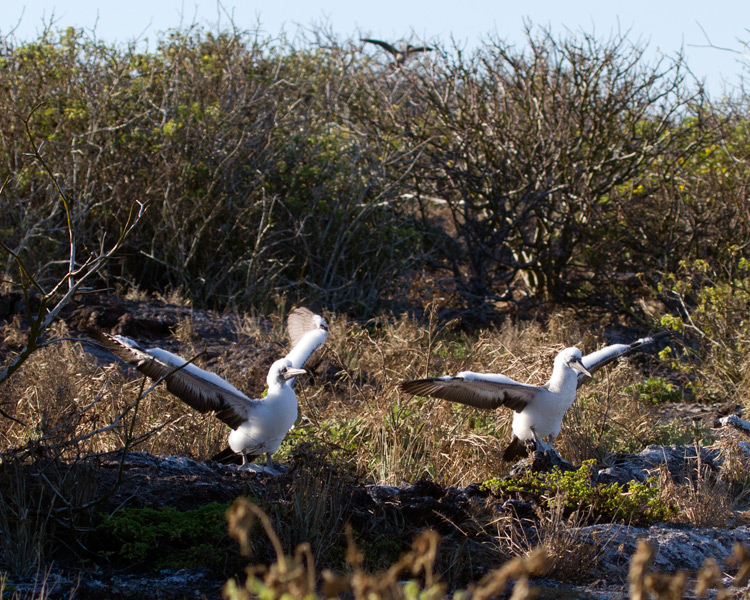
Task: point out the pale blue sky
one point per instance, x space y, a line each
666 25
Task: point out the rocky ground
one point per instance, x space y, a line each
157 481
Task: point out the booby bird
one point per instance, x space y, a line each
258 426
399 56
539 410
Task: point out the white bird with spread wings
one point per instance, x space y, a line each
539 410
258 425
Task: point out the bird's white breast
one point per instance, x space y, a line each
545 413
267 423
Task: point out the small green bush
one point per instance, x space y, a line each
656 390
636 502
710 304
167 537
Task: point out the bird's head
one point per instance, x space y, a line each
571 357
282 371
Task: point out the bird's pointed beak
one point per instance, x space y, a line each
292 372
578 366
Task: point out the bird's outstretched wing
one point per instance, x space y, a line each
410 49
299 322
382 44
308 332
481 390
596 360
203 390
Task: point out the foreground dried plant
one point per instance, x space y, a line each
645 583
294 576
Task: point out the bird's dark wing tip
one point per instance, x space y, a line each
411 386
661 335
652 339
113 343
96 334
419 387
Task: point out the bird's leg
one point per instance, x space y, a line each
551 439
537 440
269 462
541 446
244 459
531 446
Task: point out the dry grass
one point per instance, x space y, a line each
702 496
313 507
351 399
568 558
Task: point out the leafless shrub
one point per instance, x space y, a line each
43 297
522 146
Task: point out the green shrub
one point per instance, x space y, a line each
637 502
273 169
656 390
711 305
166 537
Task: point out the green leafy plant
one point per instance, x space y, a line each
636 502
167 537
655 390
710 306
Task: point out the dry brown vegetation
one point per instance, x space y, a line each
63 398
294 575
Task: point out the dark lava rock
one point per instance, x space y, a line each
424 504
100 585
144 321
540 462
176 481
679 460
522 509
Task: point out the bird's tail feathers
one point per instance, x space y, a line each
515 450
227 457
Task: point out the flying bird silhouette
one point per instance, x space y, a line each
399 56
258 425
539 410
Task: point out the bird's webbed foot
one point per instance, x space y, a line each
537 443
